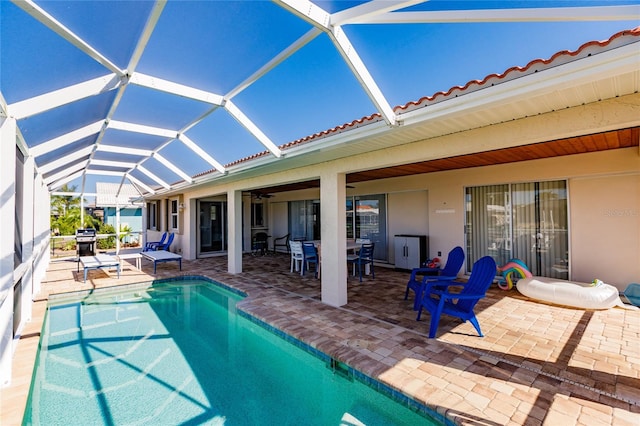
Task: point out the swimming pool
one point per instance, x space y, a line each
178 352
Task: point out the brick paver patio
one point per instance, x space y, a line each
537 364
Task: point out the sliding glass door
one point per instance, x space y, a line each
527 221
366 219
304 220
212 224
369 216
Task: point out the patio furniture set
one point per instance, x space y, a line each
155 251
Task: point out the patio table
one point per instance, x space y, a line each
161 256
135 256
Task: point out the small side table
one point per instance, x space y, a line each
136 256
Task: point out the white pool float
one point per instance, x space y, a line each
570 293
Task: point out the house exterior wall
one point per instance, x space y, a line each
612 176
604 206
131 217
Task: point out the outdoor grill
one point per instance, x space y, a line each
86 242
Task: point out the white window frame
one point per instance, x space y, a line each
152 216
174 217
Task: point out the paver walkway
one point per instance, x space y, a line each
537 364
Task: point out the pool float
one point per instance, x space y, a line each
513 266
595 295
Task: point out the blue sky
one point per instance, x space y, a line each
215 45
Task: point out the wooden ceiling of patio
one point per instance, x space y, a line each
623 138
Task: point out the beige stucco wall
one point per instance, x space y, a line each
604 205
605 229
406 214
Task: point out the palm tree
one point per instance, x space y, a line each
66 215
61 204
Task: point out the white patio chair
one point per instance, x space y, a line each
297 256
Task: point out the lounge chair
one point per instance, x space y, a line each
151 245
164 246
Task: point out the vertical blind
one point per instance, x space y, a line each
527 221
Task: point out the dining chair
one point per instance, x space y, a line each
363 259
259 243
281 242
297 256
310 253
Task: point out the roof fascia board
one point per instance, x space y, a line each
78 167
139 128
252 128
236 171
365 11
169 165
50 22
370 130
321 19
52 165
140 184
559 14
64 96
154 177
201 152
66 179
66 139
124 150
150 25
281 57
621 60
175 89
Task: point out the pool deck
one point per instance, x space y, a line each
538 364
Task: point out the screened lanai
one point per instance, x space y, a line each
196 100
156 93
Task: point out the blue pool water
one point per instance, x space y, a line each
179 353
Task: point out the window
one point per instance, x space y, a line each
304 220
367 219
257 215
173 215
527 221
152 216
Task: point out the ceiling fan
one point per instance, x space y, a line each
260 195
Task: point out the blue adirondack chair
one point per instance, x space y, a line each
419 276
362 259
439 300
151 245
